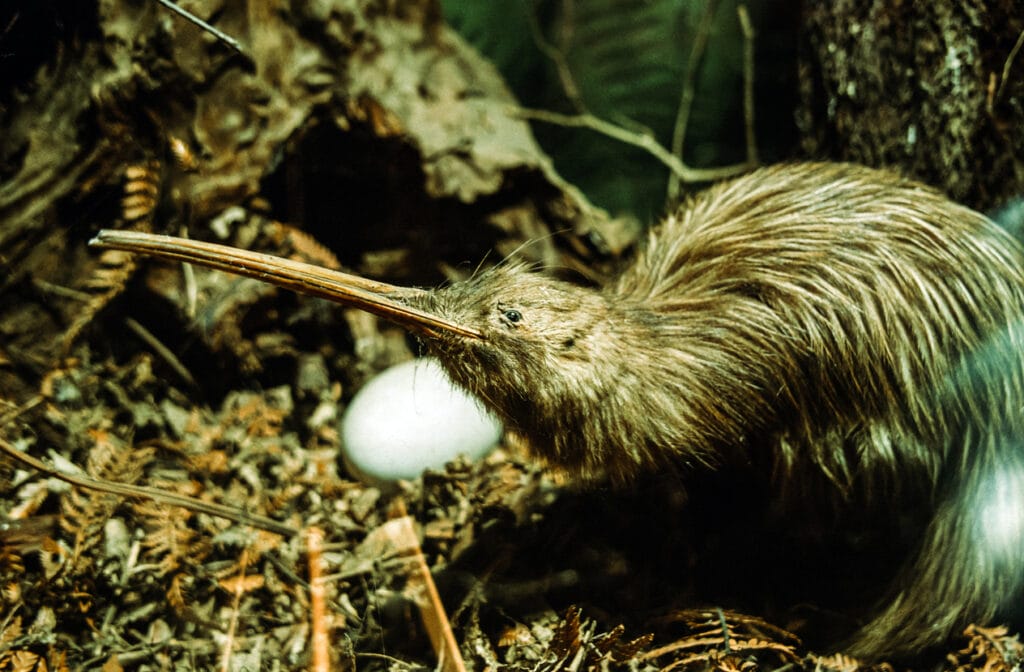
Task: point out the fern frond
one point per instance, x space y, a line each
114 269
85 512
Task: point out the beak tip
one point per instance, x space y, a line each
101 239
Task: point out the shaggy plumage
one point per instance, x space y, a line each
842 318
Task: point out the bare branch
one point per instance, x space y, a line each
220 35
124 490
686 96
748 82
643 141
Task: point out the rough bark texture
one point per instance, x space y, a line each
933 88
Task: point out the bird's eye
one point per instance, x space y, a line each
513 316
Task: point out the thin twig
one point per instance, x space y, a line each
188 274
1008 63
725 630
748 82
557 54
643 141
61 290
228 647
400 533
189 16
397 663
319 641
688 92
10 415
124 490
162 350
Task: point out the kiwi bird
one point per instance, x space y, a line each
829 320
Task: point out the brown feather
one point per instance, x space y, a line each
857 323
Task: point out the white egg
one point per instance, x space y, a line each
411 418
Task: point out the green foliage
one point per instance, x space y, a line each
502 31
628 59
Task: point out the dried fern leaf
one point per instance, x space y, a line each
11 632
25 661
170 542
141 192
301 246
85 512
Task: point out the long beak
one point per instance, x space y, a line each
349 290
